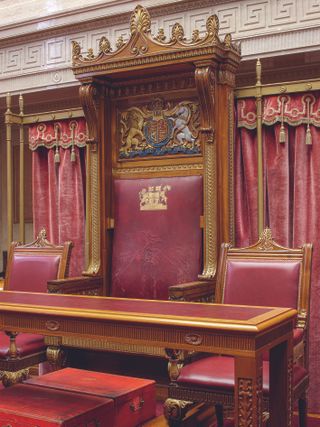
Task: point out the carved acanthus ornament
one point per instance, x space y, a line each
151 48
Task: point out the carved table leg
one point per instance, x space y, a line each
57 357
248 391
281 394
175 410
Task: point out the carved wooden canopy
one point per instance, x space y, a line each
143 50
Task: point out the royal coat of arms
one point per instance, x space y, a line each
160 129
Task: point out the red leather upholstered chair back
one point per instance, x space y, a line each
265 274
157 235
31 266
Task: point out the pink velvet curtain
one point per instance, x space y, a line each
59 195
292 196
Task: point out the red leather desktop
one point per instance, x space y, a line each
158 248
31 406
134 398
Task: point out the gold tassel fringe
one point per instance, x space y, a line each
308 136
73 155
282 136
57 156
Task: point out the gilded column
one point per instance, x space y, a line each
206 83
88 97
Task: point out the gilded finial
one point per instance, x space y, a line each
258 72
8 101
177 32
76 50
265 240
228 41
161 36
140 21
104 45
213 25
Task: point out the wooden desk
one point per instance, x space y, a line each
241 331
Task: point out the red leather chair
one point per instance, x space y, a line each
29 268
264 274
157 240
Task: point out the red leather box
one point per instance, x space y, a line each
29 406
134 398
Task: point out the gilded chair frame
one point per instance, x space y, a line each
15 368
182 397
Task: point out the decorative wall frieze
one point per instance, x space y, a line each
37 53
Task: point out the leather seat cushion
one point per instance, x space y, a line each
26 344
218 372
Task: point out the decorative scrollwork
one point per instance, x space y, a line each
245 402
119 42
266 241
160 36
10 378
57 357
193 339
104 45
195 36
175 410
52 325
140 21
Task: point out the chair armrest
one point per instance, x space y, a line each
201 291
82 285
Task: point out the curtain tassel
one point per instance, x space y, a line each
308 136
308 132
282 135
73 155
57 155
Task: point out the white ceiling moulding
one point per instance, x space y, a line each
42 59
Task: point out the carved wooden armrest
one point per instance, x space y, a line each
82 285
202 290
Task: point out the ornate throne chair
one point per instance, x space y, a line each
162 204
29 268
264 274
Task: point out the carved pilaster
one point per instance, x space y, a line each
205 83
89 100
